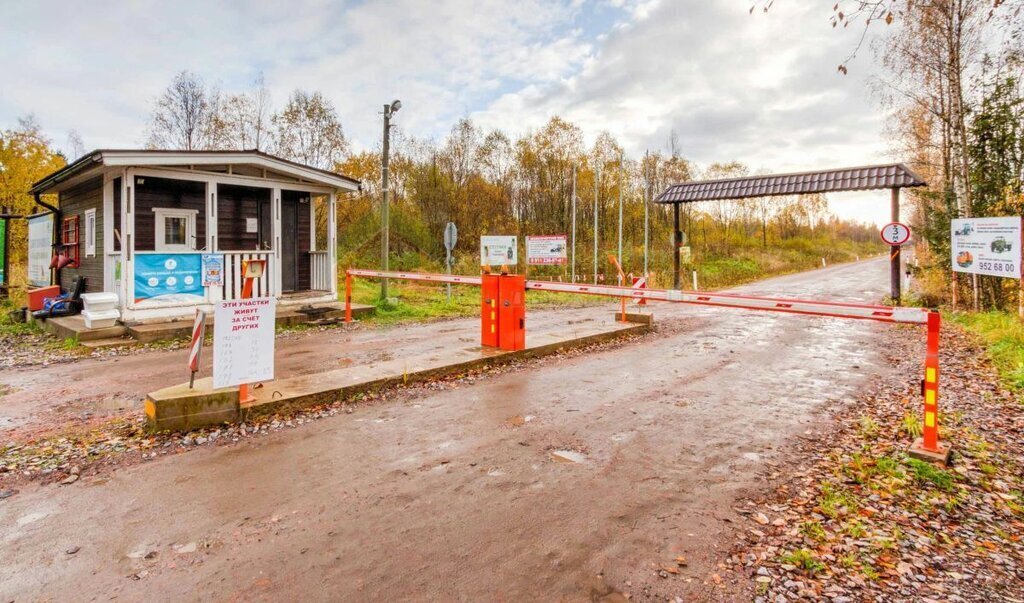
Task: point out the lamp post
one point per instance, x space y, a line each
384 219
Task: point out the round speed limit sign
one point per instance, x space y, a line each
895 233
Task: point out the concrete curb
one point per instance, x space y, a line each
177 408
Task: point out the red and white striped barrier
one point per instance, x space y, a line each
639 282
929 443
198 334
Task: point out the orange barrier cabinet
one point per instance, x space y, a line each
512 312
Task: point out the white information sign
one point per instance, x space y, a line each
498 251
546 250
243 341
989 246
40 249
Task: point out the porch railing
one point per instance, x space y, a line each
265 286
320 270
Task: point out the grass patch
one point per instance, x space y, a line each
911 425
836 502
805 560
415 301
926 473
1003 334
813 531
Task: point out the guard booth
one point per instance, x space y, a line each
169 231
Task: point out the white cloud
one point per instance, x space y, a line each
761 89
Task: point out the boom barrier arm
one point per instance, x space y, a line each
929 442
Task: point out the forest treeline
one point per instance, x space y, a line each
486 182
953 74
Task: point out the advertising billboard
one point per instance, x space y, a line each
546 250
989 246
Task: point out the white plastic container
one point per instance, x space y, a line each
99 302
100 319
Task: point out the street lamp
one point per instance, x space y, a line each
384 220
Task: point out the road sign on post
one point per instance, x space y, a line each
451 235
895 233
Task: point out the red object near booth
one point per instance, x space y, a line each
36 296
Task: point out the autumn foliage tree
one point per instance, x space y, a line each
26 156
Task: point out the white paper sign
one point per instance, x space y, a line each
498 250
243 341
989 246
251 225
546 250
40 249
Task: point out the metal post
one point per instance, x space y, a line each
894 254
677 241
597 179
620 214
930 432
574 223
448 263
647 205
348 296
5 282
384 218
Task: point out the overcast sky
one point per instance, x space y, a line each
761 89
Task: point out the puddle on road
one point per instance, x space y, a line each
568 456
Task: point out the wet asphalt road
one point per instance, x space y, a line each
445 495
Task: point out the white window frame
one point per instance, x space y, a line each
161 214
90 233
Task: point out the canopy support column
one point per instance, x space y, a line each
894 253
677 241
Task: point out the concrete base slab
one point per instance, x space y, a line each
73 327
110 342
635 317
179 408
942 456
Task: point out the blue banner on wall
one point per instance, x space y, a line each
169 277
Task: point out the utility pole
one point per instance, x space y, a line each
647 205
574 223
597 179
385 225
620 214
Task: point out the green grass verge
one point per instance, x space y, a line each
1003 334
418 301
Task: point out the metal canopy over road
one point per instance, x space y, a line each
893 176
867 178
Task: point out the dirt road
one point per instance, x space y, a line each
455 494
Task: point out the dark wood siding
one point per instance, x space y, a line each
74 202
116 217
234 205
302 234
153 193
